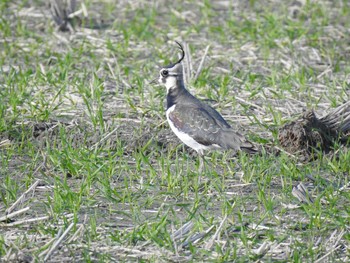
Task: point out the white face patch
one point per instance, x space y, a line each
170 82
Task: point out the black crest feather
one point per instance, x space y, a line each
182 51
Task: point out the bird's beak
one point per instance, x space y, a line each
153 82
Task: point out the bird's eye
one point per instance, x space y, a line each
165 73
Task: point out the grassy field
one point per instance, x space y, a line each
91 172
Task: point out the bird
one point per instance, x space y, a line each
195 123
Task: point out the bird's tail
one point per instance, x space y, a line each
236 141
249 147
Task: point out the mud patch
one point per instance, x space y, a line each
310 134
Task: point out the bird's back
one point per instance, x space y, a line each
207 126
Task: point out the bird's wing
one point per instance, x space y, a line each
205 128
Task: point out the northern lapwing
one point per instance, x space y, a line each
197 124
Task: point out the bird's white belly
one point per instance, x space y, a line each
185 138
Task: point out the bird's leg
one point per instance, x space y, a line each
201 166
201 163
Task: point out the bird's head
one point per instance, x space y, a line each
172 76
